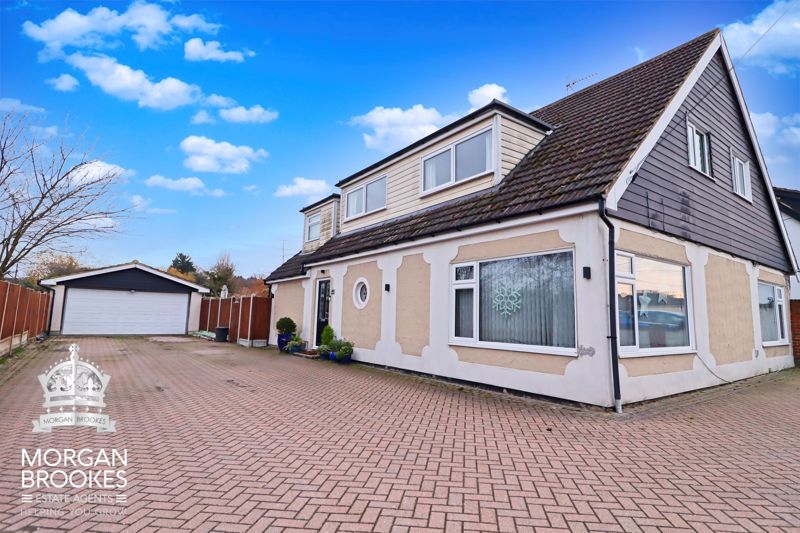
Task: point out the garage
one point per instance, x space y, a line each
130 299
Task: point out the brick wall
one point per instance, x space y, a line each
795 318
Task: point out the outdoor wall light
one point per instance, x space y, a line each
132 291
387 287
587 272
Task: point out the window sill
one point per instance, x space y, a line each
656 352
311 240
452 184
542 350
770 344
362 215
705 174
743 197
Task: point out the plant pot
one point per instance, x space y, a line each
284 338
344 360
332 356
294 349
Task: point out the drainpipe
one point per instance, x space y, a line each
612 305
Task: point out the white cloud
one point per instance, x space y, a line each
255 114
641 55
95 170
779 50
208 155
779 138
486 93
192 185
202 117
252 189
14 104
45 131
216 100
64 83
141 204
134 85
148 24
197 50
304 187
393 127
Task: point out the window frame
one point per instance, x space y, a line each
309 223
474 341
452 147
747 194
630 279
779 302
362 189
691 131
357 297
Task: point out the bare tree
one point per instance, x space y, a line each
51 194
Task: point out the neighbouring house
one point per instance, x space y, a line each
620 244
129 299
789 204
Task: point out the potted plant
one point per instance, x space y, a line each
323 351
335 345
295 344
286 330
345 353
327 335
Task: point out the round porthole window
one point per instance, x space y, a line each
361 293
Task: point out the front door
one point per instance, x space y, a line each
323 306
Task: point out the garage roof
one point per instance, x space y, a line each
127 266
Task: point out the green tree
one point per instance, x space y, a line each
222 273
183 263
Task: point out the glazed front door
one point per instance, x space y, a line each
323 306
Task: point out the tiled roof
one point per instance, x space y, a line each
597 130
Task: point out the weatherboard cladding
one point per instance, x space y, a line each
669 196
597 130
128 279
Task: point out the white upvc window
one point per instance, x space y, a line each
699 148
653 307
772 312
460 161
312 227
522 303
740 172
366 198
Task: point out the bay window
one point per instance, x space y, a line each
772 312
366 199
459 162
522 303
652 306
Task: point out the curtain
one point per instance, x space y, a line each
528 300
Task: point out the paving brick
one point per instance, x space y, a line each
222 438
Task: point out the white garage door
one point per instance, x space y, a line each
96 312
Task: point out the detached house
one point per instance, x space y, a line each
620 244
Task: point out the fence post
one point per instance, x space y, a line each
239 322
250 324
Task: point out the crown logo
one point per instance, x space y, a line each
72 388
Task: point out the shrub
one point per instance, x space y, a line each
345 351
327 334
323 350
286 325
335 345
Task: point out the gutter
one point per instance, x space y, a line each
612 305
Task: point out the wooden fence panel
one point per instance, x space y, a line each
204 308
236 310
224 312
261 316
10 310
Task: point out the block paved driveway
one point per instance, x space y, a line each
221 438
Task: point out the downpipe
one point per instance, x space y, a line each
612 305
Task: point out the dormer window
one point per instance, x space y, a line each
367 198
699 149
312 227
458 162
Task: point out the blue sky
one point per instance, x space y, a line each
230 116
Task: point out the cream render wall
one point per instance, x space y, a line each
58 309
403 186
289 300
193 322
393 331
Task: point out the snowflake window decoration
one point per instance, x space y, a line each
507 298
